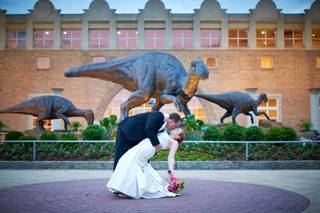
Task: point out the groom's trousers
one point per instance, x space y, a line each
122 145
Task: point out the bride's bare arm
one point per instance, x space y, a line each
172 151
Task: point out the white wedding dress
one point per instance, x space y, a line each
135 177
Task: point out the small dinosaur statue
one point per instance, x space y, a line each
50 107
148 75
236 103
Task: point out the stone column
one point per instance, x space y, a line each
57 124
112 34
252 32
252 92
168 33
85 33
280 31
29 32
196 31
315 110
307 40
224 33
140 38
57 33
2 29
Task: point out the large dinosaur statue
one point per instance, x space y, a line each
152 74
236 103
50 107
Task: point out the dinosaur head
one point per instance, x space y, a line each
199 68
89 116
263 97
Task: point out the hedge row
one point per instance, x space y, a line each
187 151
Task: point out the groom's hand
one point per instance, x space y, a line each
158 147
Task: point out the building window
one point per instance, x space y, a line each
211 62
238 38
154 39
114 109
16 39
127 39
98 38
98 59
266 38
272 108
293 38
318 62
71 38
266 62
43 63
182 39
210 38
43 39
315 38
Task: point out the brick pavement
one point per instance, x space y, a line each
199 196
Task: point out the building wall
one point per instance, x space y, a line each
294 73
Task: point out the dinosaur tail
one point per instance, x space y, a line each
102 70
15 109
207 97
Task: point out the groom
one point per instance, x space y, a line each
135 128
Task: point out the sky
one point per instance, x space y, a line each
176 6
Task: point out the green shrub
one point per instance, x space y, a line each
233 132
27 138
110 124
94 132
48 136
13 135
254 133
192 137
75 126
305 126
213 133
2 126
280 134
68 137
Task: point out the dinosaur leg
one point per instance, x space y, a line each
157 106
235 113
39 121
60 114
226 115
255 111
186 110
251 117
136 99
168 99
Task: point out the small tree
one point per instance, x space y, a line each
94 132
2 126
254 133
193 127
213 133
305 126
111 125
13 135
75 126
233 132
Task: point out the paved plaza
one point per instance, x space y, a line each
206 191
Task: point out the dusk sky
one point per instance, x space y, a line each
132 6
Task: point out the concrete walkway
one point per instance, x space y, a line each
304 182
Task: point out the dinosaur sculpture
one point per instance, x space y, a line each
148 75
236 103
50 107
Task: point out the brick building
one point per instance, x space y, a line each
264 50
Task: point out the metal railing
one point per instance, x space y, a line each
34 143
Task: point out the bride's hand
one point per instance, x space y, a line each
158 147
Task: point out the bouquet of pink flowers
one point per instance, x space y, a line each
176 185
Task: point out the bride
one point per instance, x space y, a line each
134 176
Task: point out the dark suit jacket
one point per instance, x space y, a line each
141 126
